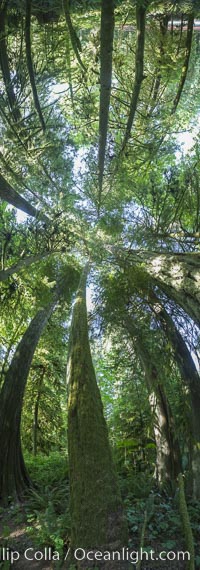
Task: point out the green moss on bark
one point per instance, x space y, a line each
96 508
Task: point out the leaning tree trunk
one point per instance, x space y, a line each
96 509
191 380
168 460
10 195
13 475
176 274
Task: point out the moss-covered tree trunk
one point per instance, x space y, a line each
191 381
96 510
13 475
168 461
168 458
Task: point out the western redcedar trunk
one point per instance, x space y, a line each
96 510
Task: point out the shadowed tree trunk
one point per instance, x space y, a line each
4 63
30 64
106 48
22 264
96 510
76 44
36 407
168 462
185 66
161 60
10 195
177 275
191 380
139 68
13 475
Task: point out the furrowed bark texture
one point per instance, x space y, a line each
191 380
30 64
96 510
179 277
106 49
139 70
10 195
186 525
13 475
168 461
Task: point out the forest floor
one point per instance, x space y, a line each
42 521
15 539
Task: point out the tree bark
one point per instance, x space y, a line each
10 195
4 63
185 67
139 69
106 49
36 411
168 462
96 509
22 264
177 275
191 380
76 44
30 64
13 475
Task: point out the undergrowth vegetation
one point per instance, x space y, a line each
46 510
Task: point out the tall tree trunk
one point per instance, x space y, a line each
76 44
185 66
191 380
13 475
168 462
36 410
177 275
22 264
4 64
106 49
139 68
30 64
95 503
10 195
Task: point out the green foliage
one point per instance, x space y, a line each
47 505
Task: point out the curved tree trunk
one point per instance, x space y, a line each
191 380
168 463
13 475
177 275
95 504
